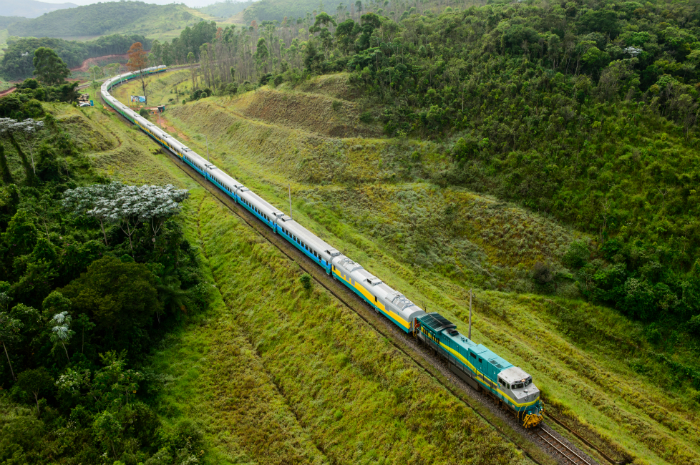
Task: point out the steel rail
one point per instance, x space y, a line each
561 444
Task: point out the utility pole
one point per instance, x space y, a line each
207 140
470 314
290 202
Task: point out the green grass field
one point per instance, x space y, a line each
367 197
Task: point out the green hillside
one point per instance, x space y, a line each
225 9
542 155
7 20
165 353
587 114
277 10
371 197
108 18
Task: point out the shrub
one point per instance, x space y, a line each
694 325
366 117
306 281
143 112
577 255
336 105
542 273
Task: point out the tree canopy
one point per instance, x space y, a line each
49 68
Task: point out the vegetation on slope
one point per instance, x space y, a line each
587 113
281 10
369 198
225 9
107 18
7 20
83 298
226 388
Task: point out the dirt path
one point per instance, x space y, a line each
85 67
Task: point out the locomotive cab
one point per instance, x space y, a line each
517 387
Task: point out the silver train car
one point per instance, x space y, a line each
507 383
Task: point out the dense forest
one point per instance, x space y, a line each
585 111
100 19
17 61
93 274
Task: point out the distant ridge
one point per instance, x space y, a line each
30 8
101 19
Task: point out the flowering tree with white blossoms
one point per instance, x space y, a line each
94 201
127 206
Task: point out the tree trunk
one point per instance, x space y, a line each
36 397
9 362
143 86
66 351
102 225
6 175
25 163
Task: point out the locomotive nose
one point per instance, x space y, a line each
531 393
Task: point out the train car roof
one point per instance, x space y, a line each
248 193
305 235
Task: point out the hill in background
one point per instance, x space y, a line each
108 18
270 10
226 9
7 20
30 8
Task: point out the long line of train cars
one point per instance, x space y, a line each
472 362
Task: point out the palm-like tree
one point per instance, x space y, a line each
61 331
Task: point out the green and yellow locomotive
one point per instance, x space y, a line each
481 368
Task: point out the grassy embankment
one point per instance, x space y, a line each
271 371
368 198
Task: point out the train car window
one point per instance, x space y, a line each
479 359
375 298
473 356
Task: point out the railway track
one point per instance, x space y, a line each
554 447
557 446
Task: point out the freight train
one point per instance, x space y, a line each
472 362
